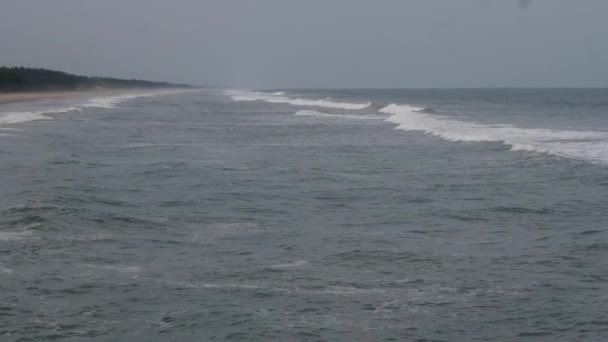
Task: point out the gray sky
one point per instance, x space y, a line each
315 43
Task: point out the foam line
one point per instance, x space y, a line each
279 97
586 145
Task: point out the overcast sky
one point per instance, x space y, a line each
315 43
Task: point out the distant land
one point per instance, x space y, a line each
22 79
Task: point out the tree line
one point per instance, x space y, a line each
13 79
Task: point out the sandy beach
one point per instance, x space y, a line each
35 96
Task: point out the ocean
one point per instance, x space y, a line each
306 215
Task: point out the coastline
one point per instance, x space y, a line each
6 98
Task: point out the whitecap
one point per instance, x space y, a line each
243 95
5 270
25 116
110 101
586 145
322 115
204 285
330 290
345 291
15 235
298 263
144 145
116 268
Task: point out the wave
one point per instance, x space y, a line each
8 129
428 110
112 101
124 269
586 145
298 263
6 236
25 116
108 101
324 115
279 97
5 270
321 290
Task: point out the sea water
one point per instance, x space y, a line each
306 215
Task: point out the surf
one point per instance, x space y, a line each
113 100
77 105
324 115
25 116
280 97
585 145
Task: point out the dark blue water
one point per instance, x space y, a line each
454 215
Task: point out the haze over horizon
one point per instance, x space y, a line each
315 44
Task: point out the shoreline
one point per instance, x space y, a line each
31 96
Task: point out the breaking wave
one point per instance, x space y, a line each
298 263
15 235
112 101
108 101
586 145
19 117
323 115
325 290
279 97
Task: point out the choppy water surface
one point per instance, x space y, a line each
446 215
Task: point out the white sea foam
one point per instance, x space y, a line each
343 291
279 97
322 115
298 263
110 101
25 116
124 269
586 145
15 235
107 101
143 145
113 100
5 270
330 290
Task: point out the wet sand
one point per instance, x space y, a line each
35 96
